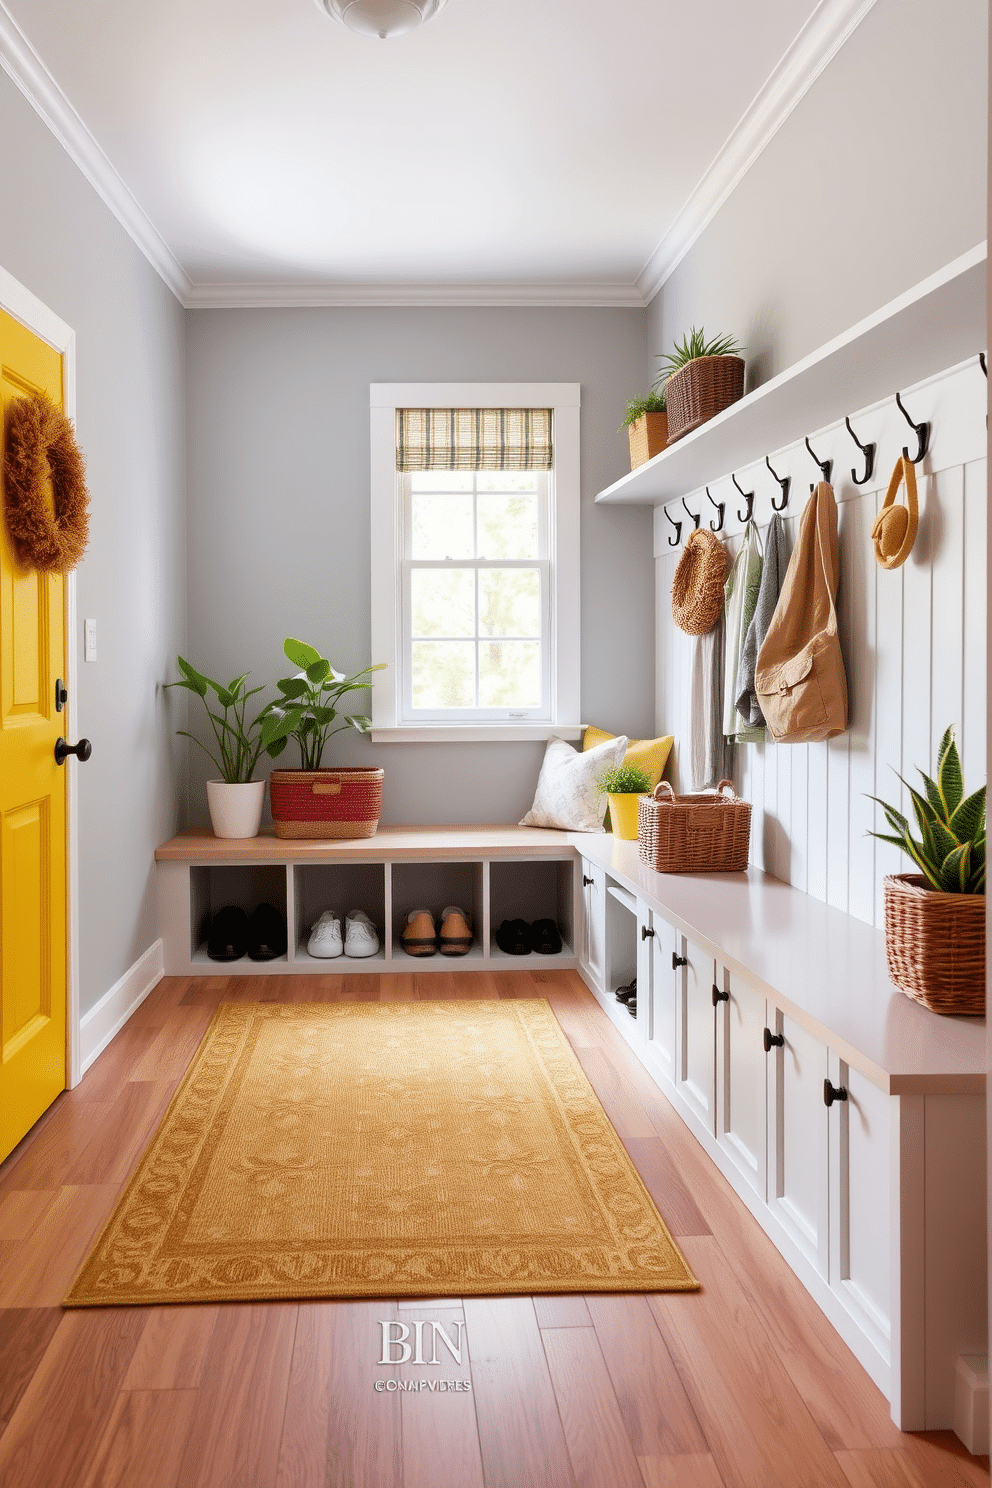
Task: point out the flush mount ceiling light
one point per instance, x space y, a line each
382 18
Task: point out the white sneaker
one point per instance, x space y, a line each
325 937
361 938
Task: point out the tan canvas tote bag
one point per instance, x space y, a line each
800 678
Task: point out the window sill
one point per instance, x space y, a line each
475 733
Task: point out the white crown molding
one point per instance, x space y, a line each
317 296
822 37
21 62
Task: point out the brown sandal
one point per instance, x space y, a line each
456 932
419 934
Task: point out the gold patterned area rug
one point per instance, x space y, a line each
381 1150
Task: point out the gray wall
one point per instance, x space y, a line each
874 181
278 469
62 243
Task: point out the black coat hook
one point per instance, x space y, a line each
922 434
694 515
674 542
868 450
785 482
721 507
748 497
826 466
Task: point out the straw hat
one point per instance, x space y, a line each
893 531
697 589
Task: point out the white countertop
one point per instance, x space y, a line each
823 967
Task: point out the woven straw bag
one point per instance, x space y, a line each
703 833
935 944
697 588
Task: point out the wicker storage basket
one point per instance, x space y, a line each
326 803
648 436
704 833
935 944
700 390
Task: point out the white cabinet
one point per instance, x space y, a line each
695 1066
798 1129
741 1094
657 966
593 942
858 1139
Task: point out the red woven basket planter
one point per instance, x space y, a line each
346 802
700 390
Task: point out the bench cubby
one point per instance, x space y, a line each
523 889
246 884
342 887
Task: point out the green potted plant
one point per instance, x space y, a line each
700 378
935 919
312 801
235 800
624 784
646 423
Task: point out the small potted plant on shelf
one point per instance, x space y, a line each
235 800
700 378
624 784
646 423
935 919
312 801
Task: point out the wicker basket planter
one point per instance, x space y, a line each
700 390
346 802
935 944
703 833
648 436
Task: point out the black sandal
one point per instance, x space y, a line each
545 938
513 938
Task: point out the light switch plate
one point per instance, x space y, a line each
89 640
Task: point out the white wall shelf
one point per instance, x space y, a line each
936 324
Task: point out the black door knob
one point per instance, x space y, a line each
646 932
678 961
586 881
773 1040
82 750
833 1093
719 996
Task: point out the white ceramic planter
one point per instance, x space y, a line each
235 810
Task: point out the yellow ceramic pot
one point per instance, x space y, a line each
623 813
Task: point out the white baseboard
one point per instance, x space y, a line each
971 1402
101 1023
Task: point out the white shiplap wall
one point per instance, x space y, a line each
913 641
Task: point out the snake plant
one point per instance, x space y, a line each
951 852
693 346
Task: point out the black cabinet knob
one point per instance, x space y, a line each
833 1093
586 881
646 932
719 996
82 750
678 961
773 1040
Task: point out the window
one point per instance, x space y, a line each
475 560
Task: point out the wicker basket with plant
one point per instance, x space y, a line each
935 919
646 423
700 378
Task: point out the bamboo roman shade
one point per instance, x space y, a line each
474 439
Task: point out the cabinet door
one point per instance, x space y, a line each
742 1079
696 1073
666 982
798 1180
860 1202
593 921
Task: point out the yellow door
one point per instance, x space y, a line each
32 797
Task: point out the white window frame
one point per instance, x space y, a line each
387 559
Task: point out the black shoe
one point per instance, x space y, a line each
624 994
513 938
266 933
632 1007
228 938
545 939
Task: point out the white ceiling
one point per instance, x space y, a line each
510 149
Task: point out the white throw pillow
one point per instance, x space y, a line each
567 794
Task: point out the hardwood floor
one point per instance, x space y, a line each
741 1385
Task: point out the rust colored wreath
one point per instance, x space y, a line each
49 533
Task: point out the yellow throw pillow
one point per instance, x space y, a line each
651 755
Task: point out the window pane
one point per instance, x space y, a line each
510 674
442 601
507 480
509 602
441 527
508 526
441 480
443 674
